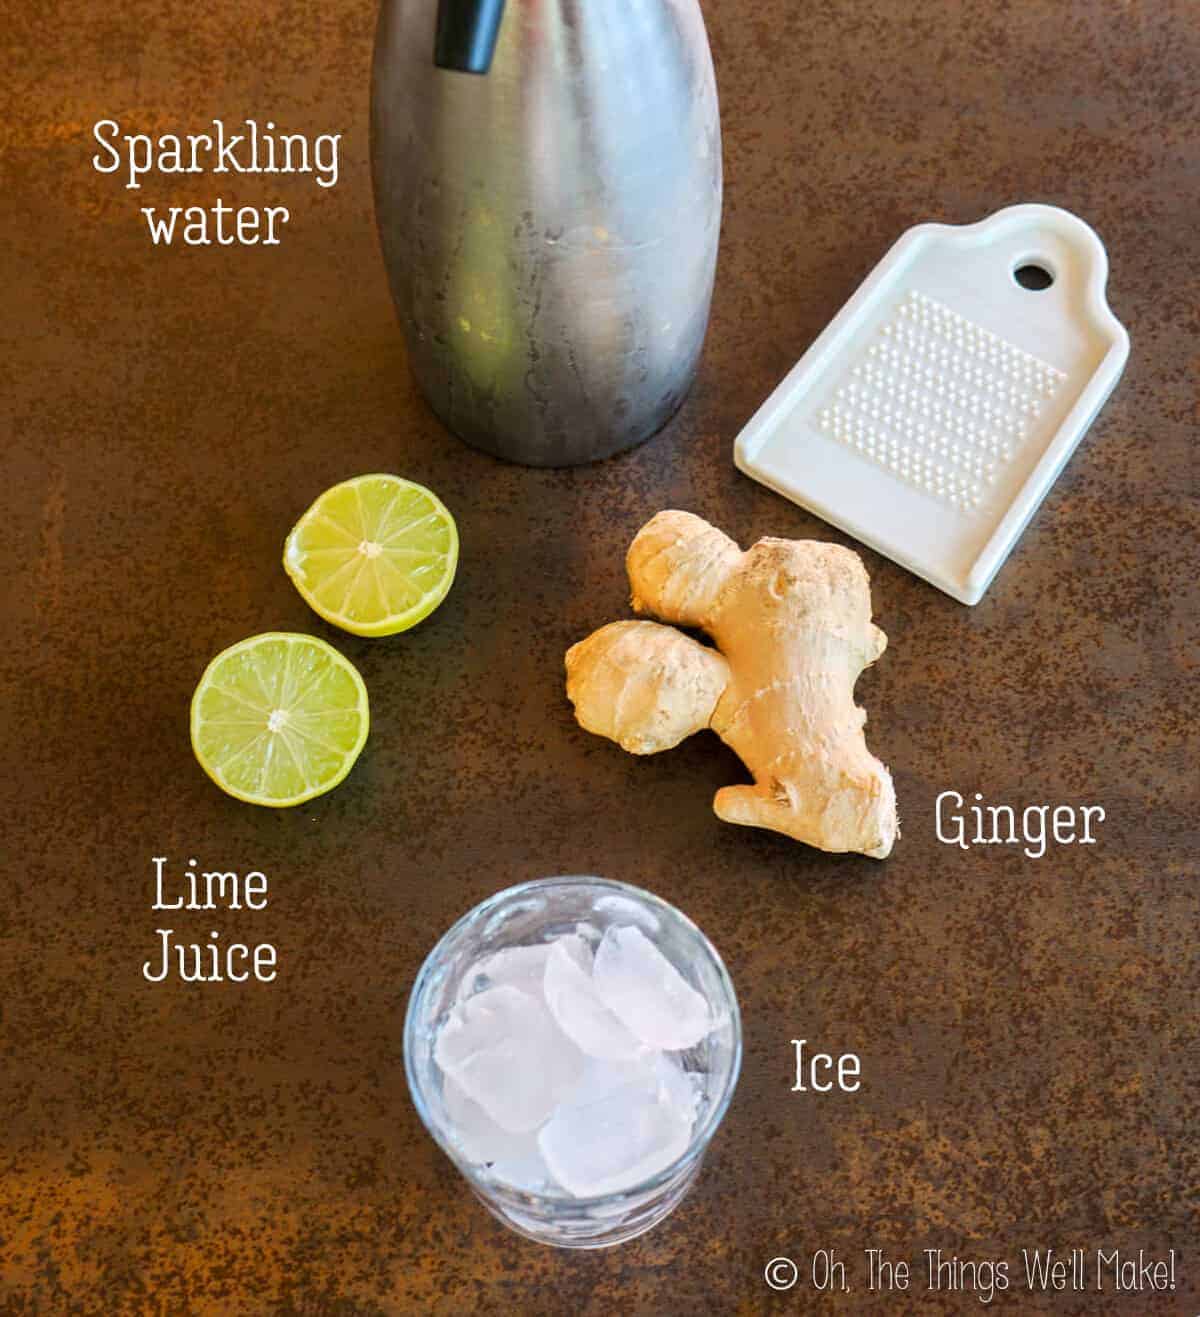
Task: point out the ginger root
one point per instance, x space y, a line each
792 623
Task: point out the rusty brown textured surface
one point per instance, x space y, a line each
1028 1029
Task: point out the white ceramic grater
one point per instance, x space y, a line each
933 414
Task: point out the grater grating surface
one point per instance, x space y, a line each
940 401
934 413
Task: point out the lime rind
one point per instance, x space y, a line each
374 555
313 694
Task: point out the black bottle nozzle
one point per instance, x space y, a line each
466 34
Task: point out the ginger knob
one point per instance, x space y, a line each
791 620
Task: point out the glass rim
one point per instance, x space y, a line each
701 1135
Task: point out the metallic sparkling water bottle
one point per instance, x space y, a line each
548 192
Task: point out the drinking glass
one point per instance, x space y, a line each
539 912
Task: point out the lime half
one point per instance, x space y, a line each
279 719
373 555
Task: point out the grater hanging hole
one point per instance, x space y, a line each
1033 276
